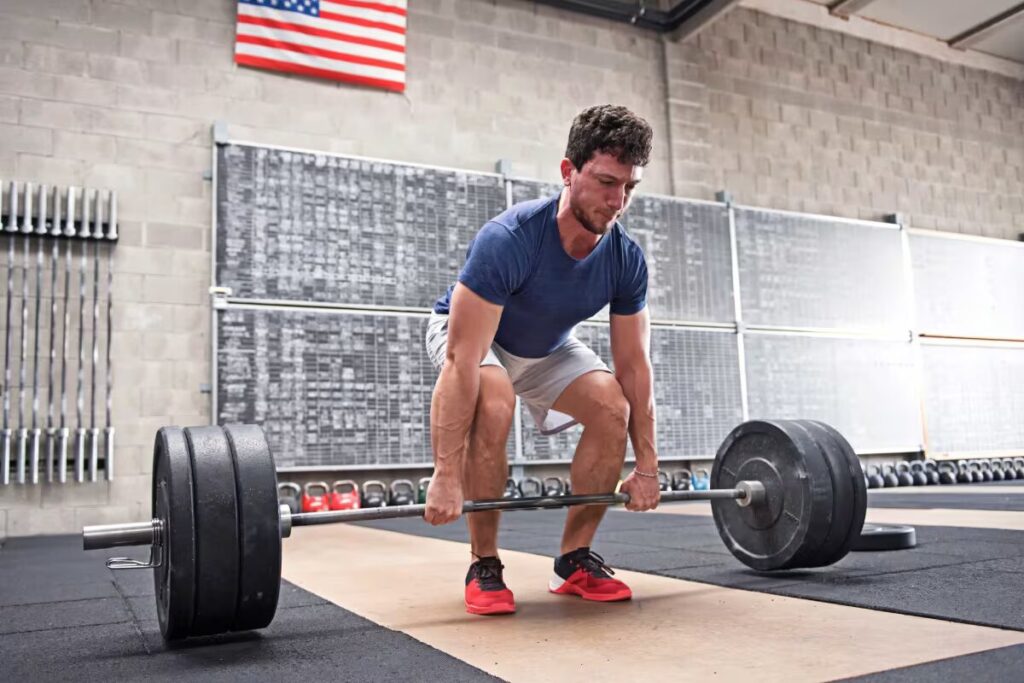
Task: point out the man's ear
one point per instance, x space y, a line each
567 168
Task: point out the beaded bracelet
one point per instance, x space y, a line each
645 474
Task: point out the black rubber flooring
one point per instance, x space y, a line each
64 616
967 501
948 497
934 497
994 666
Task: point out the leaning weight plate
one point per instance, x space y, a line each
174 581
849 494
797 513
259 527
885 537
216 530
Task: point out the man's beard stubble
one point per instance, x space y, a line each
587 224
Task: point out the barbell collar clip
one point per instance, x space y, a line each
156 559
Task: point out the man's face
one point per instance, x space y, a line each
600 192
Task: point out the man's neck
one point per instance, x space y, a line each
577 241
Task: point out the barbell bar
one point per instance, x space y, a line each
148 533
784 494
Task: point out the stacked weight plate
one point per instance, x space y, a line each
215 494
814 488
850 495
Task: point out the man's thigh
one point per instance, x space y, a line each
540 382
595 397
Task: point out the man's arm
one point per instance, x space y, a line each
631 343
472 324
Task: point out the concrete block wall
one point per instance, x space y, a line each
122 94
792 116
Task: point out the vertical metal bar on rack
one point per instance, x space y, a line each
63 432
108 433
37 433
80 440
94 432
9 227
23 438
51 431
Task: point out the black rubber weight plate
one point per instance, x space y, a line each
259 527
842 496
797 514
860 489
216 513
849 494
175 579
885 537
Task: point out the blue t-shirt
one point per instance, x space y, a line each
517 261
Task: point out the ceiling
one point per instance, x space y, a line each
992 27
995 27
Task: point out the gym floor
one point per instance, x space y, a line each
382 601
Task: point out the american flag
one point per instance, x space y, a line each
358 41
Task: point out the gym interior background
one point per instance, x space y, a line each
888 112
779 103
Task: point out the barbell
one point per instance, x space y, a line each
784 494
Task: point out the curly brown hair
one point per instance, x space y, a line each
611 129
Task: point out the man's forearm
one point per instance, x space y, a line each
638 387
451 416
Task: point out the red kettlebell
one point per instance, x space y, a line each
314 496
344 495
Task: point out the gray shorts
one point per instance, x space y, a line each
537 381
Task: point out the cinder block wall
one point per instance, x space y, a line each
122 95
792 116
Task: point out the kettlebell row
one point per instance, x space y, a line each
346 494
929 472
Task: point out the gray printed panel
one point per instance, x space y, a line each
865 388
974 397
806 271
526 190
696 388
968 287
688 258
686 244
309 227
330 389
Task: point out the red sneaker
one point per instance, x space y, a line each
584 573
486 592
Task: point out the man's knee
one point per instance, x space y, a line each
495 410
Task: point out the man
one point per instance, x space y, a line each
505 328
